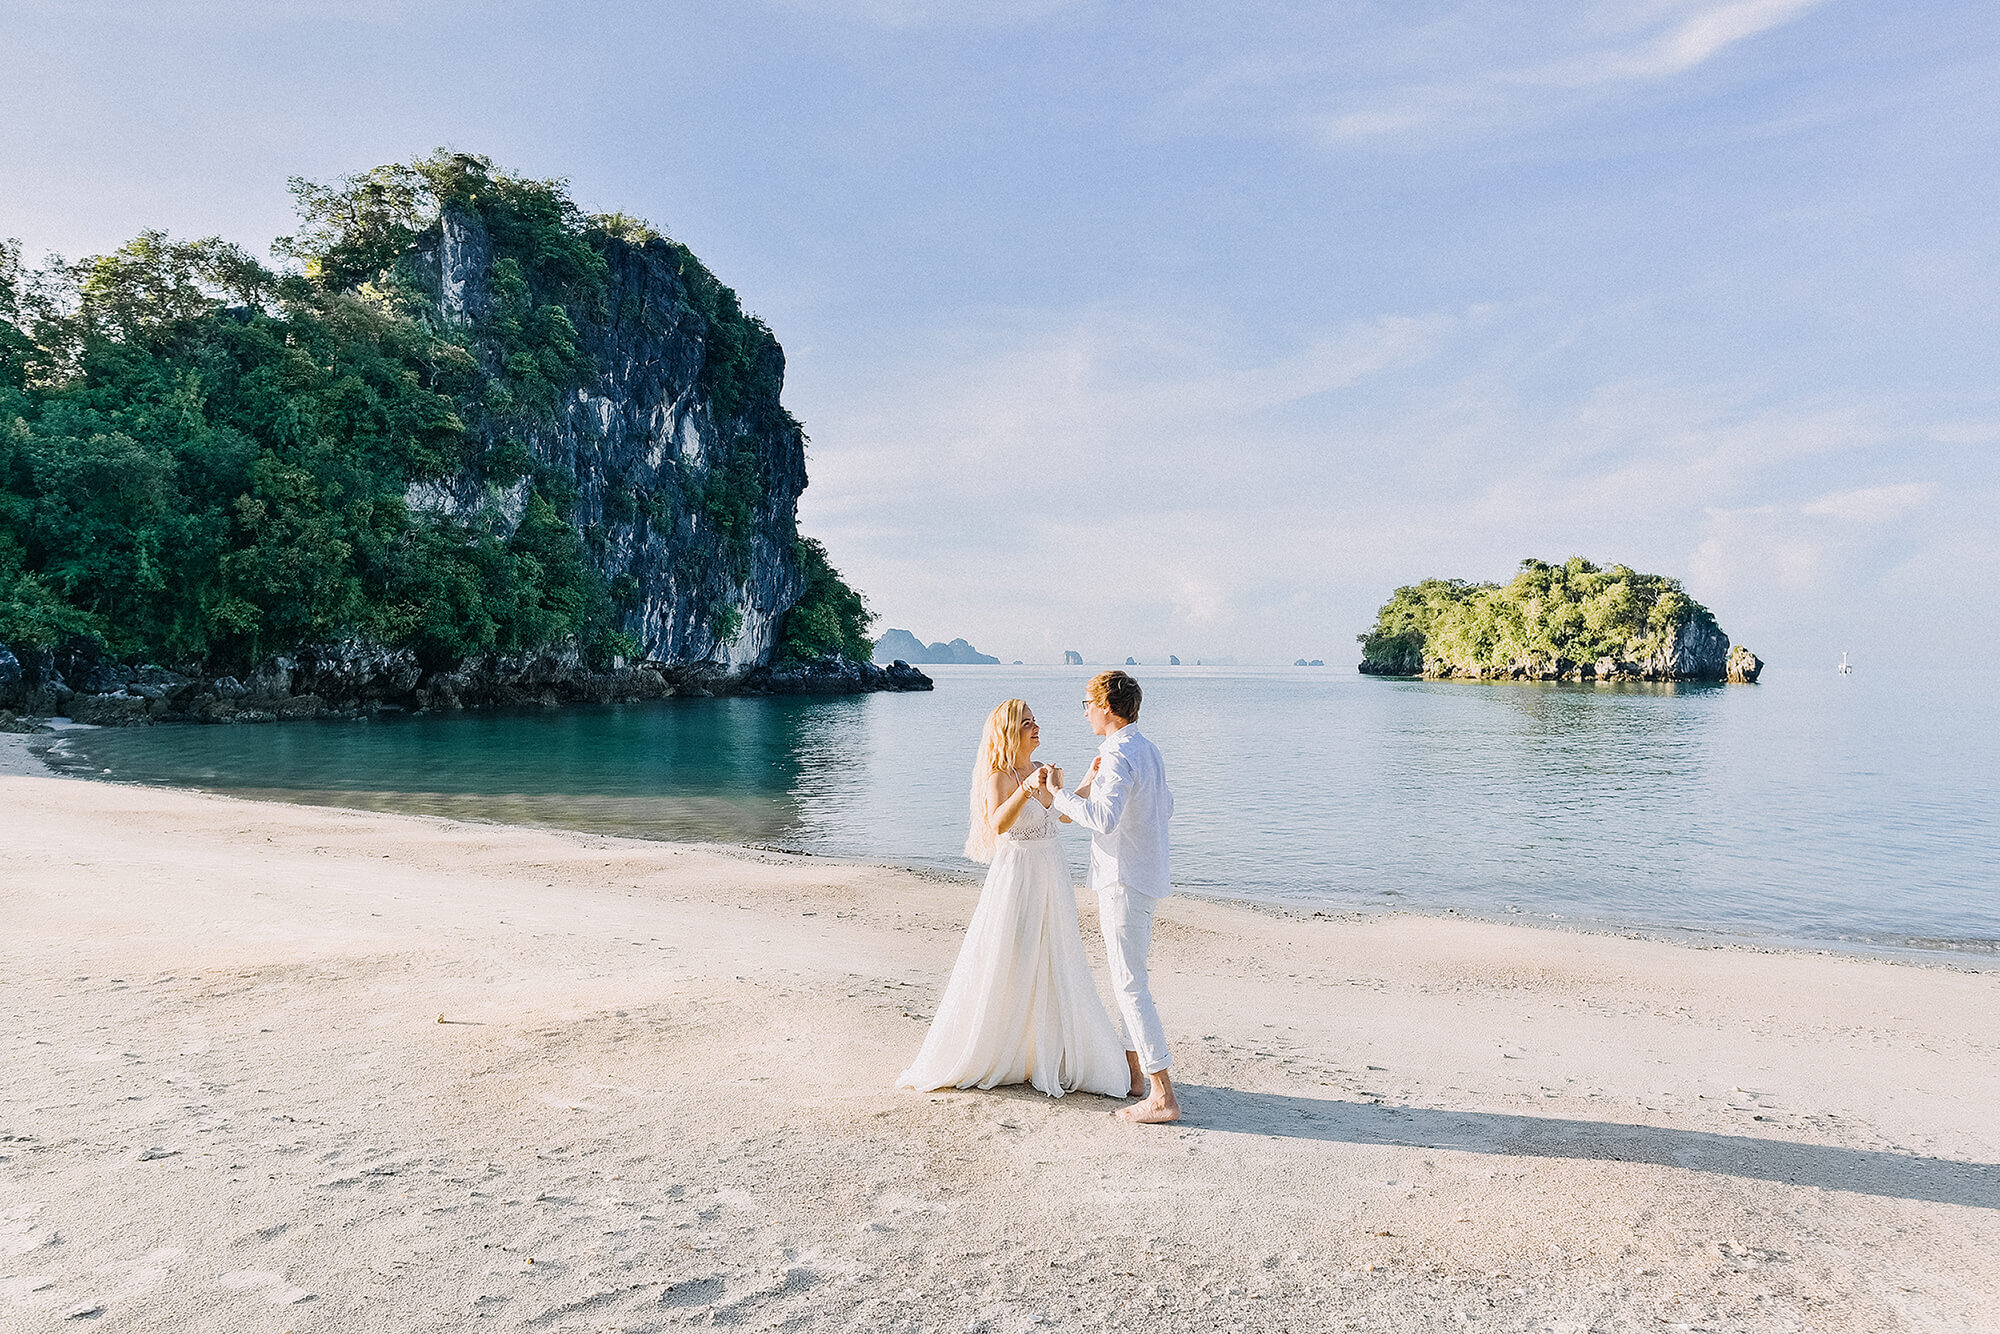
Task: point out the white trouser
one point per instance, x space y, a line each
1127 919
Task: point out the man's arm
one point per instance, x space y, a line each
1109 791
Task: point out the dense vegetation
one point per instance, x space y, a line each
1548 614
203 459
830 617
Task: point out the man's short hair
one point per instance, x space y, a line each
1117 692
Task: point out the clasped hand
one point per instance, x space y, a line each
1044 783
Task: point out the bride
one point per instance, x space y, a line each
1021 1005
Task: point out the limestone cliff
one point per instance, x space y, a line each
656 460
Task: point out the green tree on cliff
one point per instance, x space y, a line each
830 617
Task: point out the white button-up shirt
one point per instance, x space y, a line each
1126 813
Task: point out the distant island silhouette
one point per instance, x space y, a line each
901 645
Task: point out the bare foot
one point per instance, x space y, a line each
1138 1089
1154 1111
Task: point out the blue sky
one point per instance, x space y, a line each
1161 328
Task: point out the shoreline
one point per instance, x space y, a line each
351 1070
18 757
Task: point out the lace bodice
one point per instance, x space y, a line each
1033 822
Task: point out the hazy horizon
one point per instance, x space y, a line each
1140 333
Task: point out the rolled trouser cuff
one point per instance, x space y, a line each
1127 922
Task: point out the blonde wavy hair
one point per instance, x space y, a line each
999 753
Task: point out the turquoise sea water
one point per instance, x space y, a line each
1810 807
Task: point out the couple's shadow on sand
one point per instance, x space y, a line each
1895 1176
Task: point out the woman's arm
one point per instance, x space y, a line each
1008 799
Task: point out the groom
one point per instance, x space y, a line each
1125 804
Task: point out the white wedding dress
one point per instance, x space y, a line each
1021 1006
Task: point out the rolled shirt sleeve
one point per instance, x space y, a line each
1109 792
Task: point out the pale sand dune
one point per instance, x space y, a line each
661 1098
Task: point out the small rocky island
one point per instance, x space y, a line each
1569 622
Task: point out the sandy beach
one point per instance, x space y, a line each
283 1068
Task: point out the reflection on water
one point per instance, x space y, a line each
671 819
697 770
1809 808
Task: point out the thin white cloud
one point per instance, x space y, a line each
1693 41
1871 504
1966 433
932 13
1484 95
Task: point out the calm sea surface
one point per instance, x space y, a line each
1810 807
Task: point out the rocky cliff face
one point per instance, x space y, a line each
649 449
1743 666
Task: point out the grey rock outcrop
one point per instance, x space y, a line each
646 443
899 645
41 690
1695 650
1407 660
1071 658
833 676
1743 666
352 679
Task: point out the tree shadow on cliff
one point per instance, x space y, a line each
1828 1167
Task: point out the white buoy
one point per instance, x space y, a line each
1844 669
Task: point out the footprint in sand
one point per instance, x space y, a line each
694 1292
150 1270
276 1290
20 1234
